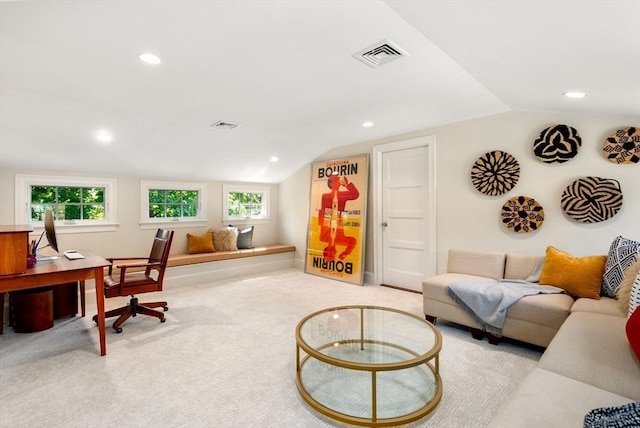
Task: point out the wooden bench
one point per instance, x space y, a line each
189 259
190 269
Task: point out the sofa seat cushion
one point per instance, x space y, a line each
606 306
550 310
547 399
593 348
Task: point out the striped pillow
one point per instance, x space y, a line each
622 254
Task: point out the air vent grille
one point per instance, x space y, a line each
225 125
380 53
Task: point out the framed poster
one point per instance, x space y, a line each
335 240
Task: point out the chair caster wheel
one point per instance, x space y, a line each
163 319
119 330
166 308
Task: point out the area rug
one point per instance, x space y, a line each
224 358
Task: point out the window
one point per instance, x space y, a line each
242 203
79 204
164 202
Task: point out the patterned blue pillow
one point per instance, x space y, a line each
622 254
625 416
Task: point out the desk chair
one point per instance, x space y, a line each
141 277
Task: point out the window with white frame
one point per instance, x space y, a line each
245 203
174 202
79 204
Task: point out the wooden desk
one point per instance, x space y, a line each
59 271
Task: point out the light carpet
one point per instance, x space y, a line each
224 358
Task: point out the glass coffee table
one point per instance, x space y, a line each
368 365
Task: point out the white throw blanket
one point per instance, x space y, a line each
489 300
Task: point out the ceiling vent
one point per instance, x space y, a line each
380 53
225 125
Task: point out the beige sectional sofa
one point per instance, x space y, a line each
588 362
534 319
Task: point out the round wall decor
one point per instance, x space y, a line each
495 173
592 199
557 144
522 214
623 146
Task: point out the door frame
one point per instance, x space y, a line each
430 228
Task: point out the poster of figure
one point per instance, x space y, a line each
335 242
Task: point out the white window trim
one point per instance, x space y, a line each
229 188
147 222
23 202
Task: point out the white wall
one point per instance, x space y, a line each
129 239
469 219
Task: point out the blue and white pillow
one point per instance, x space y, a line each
622 254
625 416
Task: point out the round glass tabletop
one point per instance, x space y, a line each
368 365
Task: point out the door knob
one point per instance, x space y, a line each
384 224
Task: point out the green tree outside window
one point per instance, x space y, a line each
173 203
242 204
68 203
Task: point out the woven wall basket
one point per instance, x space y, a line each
522 214
557 144
495 173
623 146
592 199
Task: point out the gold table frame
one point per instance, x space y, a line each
418 359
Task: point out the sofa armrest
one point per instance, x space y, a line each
480 263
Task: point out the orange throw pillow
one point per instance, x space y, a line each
200 244
578 276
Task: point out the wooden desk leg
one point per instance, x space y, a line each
82 297
100 304
1 312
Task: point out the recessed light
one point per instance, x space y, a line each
574 94
104 136
367 124
274 159
149 58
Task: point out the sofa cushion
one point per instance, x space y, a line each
623 253
634 296
623 294
480 263
578 276
547 399
633 332
520 266
592 348
200 244
550 310
606 306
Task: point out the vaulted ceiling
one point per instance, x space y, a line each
284 71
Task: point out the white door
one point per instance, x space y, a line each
407 214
